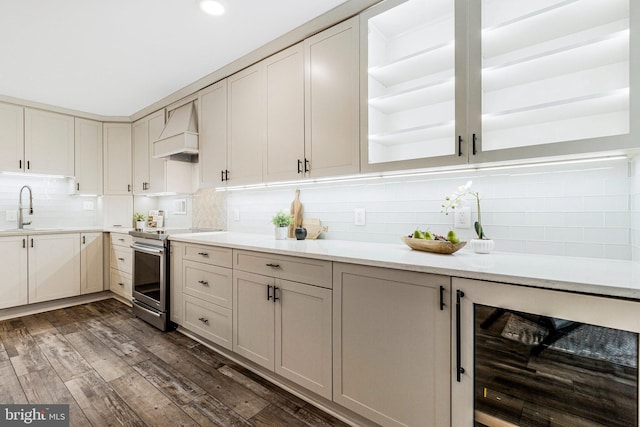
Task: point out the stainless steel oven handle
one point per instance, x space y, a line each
147 249
153 313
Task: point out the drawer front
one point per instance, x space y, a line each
208 320
212 255
120 283
303 270
122 259
119 239
208 282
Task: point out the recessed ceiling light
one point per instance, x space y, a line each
211 7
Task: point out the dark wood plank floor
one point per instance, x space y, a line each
113 369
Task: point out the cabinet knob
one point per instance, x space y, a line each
203 320
120 283
203 282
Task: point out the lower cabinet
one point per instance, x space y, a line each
13 264
176 251
91 263
121 265
54 266
284 326
392 345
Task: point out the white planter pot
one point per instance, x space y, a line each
481 246
281 233
140 225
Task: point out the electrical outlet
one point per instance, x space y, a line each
462 217
87 206
11 216
359 217
236 214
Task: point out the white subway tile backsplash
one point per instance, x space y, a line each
554 209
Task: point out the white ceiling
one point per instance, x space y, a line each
115 57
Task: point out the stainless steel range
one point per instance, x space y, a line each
151 275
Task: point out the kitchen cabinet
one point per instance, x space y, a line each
176 251
88 156
283 153
48 143
454 82
282 325
148 173
597 341
54 266
246 111
213 135
11 137
391 335
413 90
121 266
91 263
207 288
553 78
117 158
13 265
332 104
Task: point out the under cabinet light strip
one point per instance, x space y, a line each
387 175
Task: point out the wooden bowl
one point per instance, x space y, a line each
434 246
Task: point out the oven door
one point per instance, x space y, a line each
527 356
149 281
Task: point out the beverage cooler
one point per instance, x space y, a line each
531 357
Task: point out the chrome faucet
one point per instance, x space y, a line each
21 222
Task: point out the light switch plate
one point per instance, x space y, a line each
359 216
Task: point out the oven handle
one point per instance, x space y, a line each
153 313
147 249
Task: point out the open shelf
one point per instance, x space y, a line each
411 135
414 97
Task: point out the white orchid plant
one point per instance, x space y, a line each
457 198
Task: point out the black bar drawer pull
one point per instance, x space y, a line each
275 294
299 166
273 265
442 298
459 368
120 283
459 145
203 282
203 320
121 259
268 292
203 253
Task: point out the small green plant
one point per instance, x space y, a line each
138 216
282 219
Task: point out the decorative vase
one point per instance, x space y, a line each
481 246
140 225
281 232
301 233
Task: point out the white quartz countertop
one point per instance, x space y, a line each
585 275
49 230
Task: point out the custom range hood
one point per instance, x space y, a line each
179 138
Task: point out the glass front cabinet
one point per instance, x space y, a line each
448 82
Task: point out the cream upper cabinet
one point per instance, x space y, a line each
391 345
332 100
48 143
88 156
91 263
117 158
54 267
450 82
247 126
147 172
412 80
13 265
283 154
212 138
11 138
553 77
